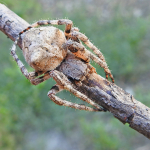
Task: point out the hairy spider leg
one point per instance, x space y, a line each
85 40
74 38
52 95
40 79
80 51
29 75
62 80
66 22
57 88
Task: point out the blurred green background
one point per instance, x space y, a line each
29 120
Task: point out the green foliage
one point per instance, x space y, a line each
25 108
121 40
23 8
105 135
99 135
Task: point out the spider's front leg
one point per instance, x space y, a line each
64 83
80 51
100 57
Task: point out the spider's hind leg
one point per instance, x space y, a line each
64 83
66 22
20 64
38 80
52 95
32 76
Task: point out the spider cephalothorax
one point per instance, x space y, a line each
45 48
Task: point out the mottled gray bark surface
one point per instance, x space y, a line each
11 24
120 103
108 95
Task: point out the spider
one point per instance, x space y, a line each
59 47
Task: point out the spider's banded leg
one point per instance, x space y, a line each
75 38
66 22
41 79
28 75
52 95
77 49
83 38
80 51
61 79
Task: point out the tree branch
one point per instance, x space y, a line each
120 103
11 24
108 95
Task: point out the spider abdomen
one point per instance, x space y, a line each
42 48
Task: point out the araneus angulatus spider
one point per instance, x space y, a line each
46 58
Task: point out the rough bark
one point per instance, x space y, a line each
11 24
108 95
120 103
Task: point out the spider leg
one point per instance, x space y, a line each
75 38
62 80
24 71
52 95
80 51
29 75
66 22
41 79
85 39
